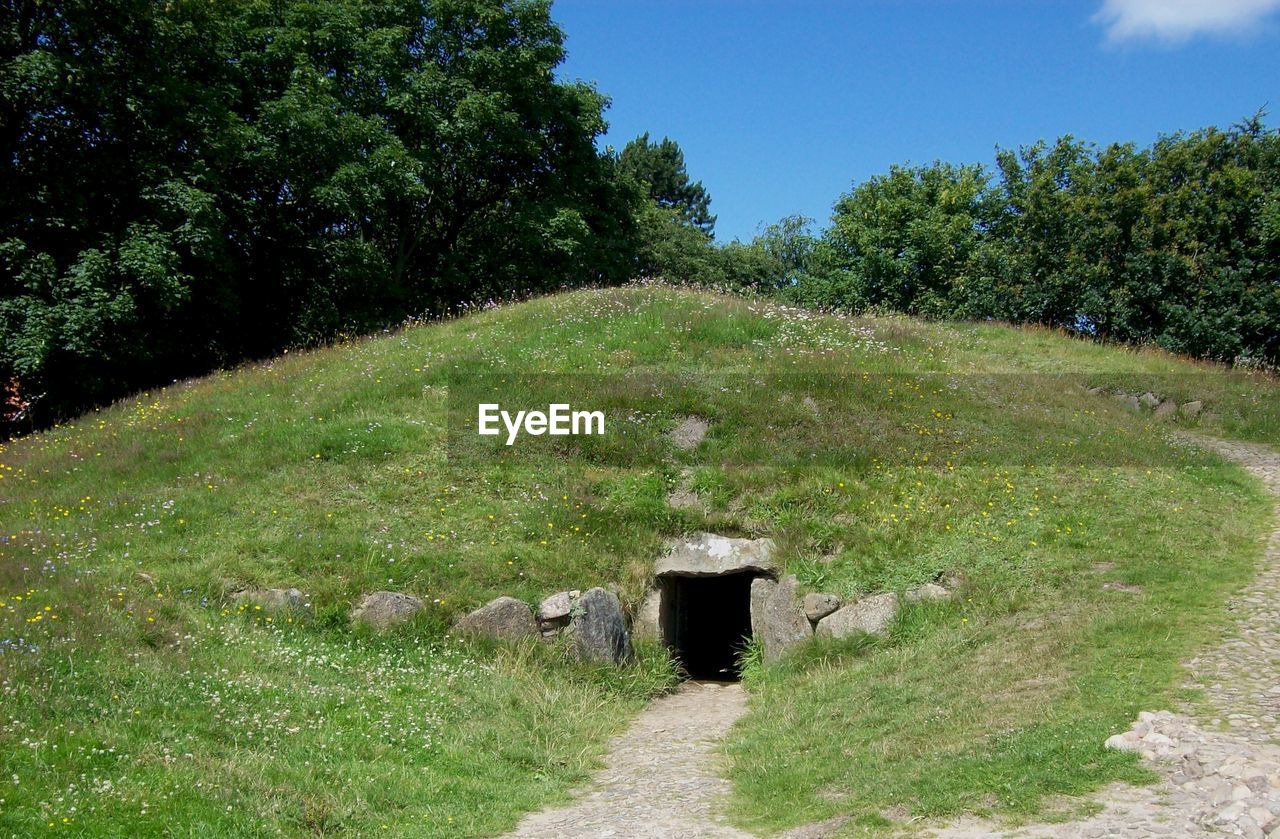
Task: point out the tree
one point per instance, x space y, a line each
674 250
183 185
910 240
790 243
660 168
1176 244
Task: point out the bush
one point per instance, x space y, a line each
1174 245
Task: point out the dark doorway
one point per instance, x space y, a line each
707 622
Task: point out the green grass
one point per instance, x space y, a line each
1000 701
1239 403
880 453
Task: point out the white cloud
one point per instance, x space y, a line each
1177 20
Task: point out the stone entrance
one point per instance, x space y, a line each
701 605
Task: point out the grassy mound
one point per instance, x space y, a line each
140 700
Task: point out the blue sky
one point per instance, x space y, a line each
781 106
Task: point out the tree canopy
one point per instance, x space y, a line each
1174 245
660 168
187 184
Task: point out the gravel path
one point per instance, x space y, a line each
1224 778
661 777
1242 676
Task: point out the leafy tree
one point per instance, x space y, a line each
673 250
1166 245
1039 230
791 244
1174 245
909 240
186 184
660 168
777 259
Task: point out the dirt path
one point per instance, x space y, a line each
1222 778
662 776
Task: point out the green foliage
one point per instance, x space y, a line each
680 253
910 239
676 251
674 238
792 247
748 266
660 168
187 184
1174 245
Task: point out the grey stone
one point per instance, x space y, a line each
503 618
273 600
777 618
599 628
1166 409
1094 391
555 607
683 497
1122 743
648 621
927 593
871 615
381 609
1192 409
817 606
1149 399
1129 401
709 555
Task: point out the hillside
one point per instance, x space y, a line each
1093 550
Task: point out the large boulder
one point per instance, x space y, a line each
817 606
777 616
709 555
599 628
871 615
1192 409
1149 399
1166 409
381 609
503 618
